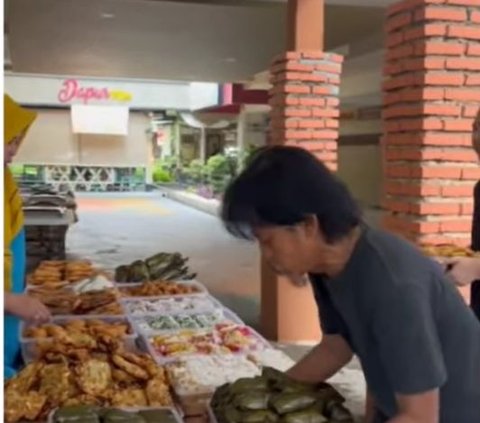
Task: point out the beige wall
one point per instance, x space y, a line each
51 141
360 168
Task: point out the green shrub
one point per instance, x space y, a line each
16 169
161 175
220 170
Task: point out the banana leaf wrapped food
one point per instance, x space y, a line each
337 413
289 402
249 384
157 416
76 413
252 401
221 396
122 274
274 397
121 416
310 415
139 272
259 416
229 414
156 260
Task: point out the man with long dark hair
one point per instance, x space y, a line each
378 296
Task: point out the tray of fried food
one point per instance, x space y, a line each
79 270
162 288
47 273
54 273
447 251
76 371
84 329
63 303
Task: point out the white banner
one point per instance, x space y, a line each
101 120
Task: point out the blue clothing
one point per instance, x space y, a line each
11 336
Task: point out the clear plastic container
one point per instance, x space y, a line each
147 344
29 345
211 415
210 373
184 321
167 306
201 289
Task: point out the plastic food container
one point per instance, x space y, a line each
158 324
167 306
190 379
201 289
211 415
29 345
216 342
175 414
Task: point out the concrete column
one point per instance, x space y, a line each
241 129
203 145
177 131
431 95
304 112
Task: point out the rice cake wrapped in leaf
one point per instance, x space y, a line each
252 401
157 416
75 413
248 385
122 274
259 416
120 416
310 415
328 393
338 413
291 402
228 414
138 272
221 396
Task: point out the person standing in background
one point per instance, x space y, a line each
17 305
466 271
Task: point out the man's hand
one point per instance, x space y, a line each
326 359
27 308
463 270
418 408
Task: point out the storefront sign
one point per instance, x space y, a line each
72 91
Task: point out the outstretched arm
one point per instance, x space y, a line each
326 359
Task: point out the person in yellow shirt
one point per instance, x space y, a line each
17 305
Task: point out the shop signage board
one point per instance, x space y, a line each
136 94
73 90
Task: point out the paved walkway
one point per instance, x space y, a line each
120 228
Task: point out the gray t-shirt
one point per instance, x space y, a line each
408 325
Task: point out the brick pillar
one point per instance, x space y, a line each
305 103
304 113
431 95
